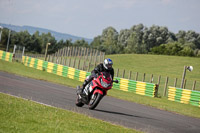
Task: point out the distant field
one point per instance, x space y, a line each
171 66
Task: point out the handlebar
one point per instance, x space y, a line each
99 73
116 81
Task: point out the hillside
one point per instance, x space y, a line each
58 36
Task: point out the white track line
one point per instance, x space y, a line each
29 100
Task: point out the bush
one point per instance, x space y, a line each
187 51
174 48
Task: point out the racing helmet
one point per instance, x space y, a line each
108 64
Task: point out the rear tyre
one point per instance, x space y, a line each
96 98
79 103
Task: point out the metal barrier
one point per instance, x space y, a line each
7 56
57 69
138 87
141 88
184 96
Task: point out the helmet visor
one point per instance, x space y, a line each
109 66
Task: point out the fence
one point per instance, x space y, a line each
35 55
87 54
142 88
7 56
138 87
184 96
76 57
162 81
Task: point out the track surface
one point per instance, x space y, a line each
116 111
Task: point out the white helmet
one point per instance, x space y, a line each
108 64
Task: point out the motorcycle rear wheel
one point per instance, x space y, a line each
95 101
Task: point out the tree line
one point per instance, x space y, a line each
139 39
36 43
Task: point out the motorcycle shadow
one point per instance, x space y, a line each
123 114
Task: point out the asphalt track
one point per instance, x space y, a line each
113 110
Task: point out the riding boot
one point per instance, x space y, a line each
84 85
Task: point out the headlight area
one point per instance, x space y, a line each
104 84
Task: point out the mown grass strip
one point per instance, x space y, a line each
22 116
160 103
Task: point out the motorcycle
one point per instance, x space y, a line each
95 90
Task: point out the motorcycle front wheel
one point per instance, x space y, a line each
96 98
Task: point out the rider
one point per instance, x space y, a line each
106 66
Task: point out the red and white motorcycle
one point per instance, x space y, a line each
95 90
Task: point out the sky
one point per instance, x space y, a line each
88 18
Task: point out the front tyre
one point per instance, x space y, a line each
96 98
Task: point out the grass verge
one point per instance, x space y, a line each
160 103
19 115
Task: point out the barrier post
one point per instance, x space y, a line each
83 65
156 90
88 66
144 77
151 78
69 62
123 73
159 77
183 77
117 72
194 84
74 62
184 83
165 89
136 76
175 82
130 72
87 54
79 63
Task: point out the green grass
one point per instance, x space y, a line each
160 103
22 116
171 66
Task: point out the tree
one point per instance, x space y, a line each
97 43
35 44
81 43
109 40
123 37
137 35
4 38
157 35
